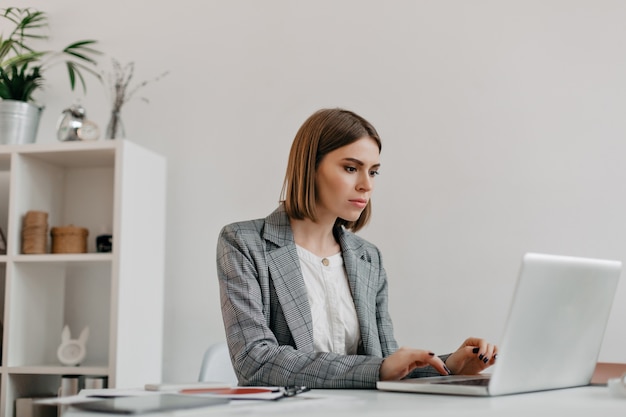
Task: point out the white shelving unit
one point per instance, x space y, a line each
115 185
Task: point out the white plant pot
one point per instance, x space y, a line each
19 122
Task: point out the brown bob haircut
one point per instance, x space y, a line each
323 132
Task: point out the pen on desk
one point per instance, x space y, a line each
294 390
106 397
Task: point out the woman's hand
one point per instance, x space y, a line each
474 355
404 360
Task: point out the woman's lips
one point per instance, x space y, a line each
359 202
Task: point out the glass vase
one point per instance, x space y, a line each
115 128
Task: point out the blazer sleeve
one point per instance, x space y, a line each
257 356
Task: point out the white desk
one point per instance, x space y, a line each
586 401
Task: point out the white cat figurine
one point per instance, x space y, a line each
72 351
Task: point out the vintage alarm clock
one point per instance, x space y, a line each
74 125
71 352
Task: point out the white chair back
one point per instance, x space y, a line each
216 365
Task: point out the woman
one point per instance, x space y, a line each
304 299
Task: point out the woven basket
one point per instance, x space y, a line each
35 232
69 239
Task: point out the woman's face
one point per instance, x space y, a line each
345 180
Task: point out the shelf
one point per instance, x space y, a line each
57 370
59 258
88 158
106 187
74 187
91 154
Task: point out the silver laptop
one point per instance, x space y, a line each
553 333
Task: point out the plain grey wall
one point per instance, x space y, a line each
502 123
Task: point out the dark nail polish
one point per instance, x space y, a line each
431 353
475 350
481 356
486 360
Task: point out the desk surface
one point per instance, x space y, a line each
585 401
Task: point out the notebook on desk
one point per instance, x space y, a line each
553 334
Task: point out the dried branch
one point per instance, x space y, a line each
119 84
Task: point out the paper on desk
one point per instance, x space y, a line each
113 392
239 393
92 395
219 389
177 386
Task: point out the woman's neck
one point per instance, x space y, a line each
315 237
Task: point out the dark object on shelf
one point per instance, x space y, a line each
35 232
104 243
69 239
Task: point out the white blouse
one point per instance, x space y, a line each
335 324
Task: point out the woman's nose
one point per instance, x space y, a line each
365 183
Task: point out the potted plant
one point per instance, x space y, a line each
22 70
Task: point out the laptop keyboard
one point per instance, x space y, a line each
480 382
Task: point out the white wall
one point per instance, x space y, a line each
502 123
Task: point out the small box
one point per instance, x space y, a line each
69 239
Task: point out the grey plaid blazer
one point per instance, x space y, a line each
267 317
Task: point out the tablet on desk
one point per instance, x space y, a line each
149 403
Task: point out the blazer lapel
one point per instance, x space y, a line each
358 269
286 275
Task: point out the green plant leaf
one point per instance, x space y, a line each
21 66
19 83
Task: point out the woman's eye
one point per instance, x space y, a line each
351 169
374 173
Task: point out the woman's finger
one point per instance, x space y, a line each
404 360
